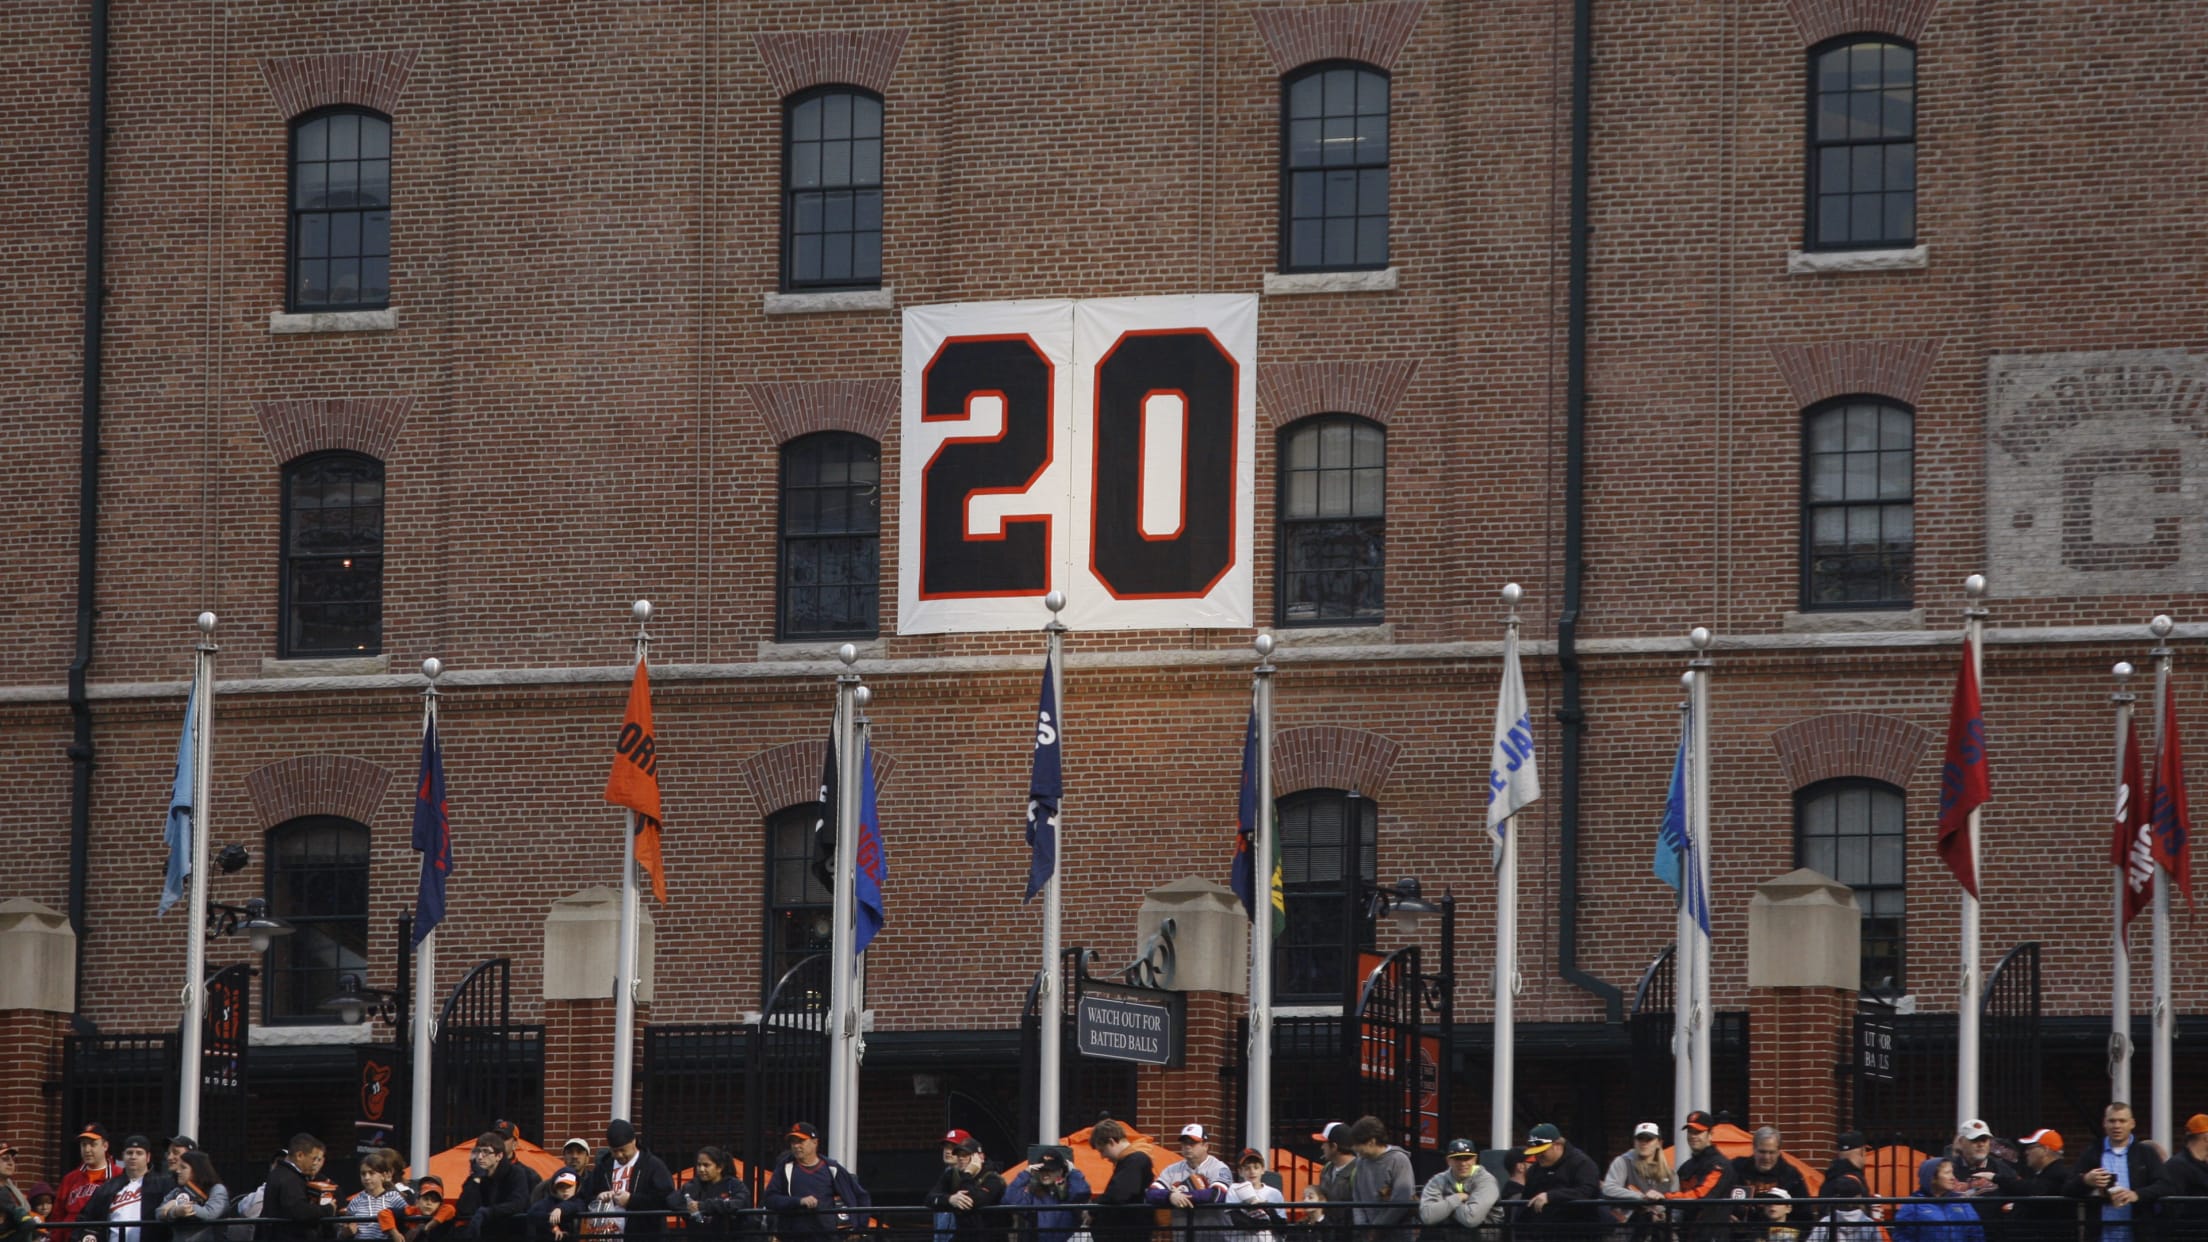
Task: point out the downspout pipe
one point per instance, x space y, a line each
88 481
1571 715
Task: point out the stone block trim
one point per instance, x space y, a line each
1884 748
1332 757
300 84
1820 20
1896 369
1289 391
317 785
356 424
789 775
799 59
798 409
1373 33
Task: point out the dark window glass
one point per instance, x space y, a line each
832 189
1314 828
1862 144
1333 521
831 536
340 211
1858 505
333 555
1853 831
799 906
317 882
1333 169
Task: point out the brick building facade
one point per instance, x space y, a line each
594 351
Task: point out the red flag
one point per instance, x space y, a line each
634 782
2170 823
2131 850
1963 782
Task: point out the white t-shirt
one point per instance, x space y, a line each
623 1176
129 1204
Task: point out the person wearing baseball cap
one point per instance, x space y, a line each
814 1194
1255 1203
1337 1170
946 1223
1055 1188
1705 1173
1640 1177
553 1213
2047 1175
94 1166
1460 1197
130 1196
1195 1182
1562 1183
1981 1172
966 1188
2184 1177
632 1180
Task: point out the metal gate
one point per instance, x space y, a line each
1904 1065
124 1082
487 1067
2010 1050
694 1086
1087 1087
1383 1077
1649 1027
786 1071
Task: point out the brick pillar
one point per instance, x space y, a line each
581 935
1167 1099
1193 933
1804 966
38 970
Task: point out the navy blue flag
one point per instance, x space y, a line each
873 866
824 828
1046 784
432 835
1243 877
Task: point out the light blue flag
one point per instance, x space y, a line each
178 833
1671 836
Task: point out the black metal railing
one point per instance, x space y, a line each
487 1067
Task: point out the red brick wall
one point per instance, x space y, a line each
1802 1037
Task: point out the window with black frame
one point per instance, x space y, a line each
1858 505
832 189
333 556
1854 831
340 211
1862 144
831 537
1332 501
799 905
1313 828
1334 169
317 875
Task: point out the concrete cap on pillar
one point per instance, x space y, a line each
1805 931
38 958
1211 938
582 936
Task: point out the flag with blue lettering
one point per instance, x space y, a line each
1965 783
178 832
1046 785
432 835
1243 875
2171 821
1512 781
873 867
1679 857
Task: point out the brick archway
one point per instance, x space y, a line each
789 775
317 785
300 84
1819 20
1885 748
1332 757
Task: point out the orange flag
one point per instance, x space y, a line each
634 782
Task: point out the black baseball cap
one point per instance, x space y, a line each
1462 1147
619 1132
803 1129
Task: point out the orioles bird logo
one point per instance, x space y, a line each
375 1089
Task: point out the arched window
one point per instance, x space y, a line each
333 556
1858 505
1862 144
1334 168
1319 831
1332 501
832 189
831 537
317 872
340 211
799 904
1853 830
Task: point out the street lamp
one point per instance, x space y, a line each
355 1002
1401 903
251 918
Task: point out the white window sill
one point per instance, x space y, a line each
814 653
1830 262
1382 281
334 666
1852 622
884 298
337 1034
281 323
1335 635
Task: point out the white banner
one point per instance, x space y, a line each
1103 448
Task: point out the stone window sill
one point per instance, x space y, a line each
1833 262
285 323
884 298
1852 622
1335 635
814 653
334 1034
1278 284
318 666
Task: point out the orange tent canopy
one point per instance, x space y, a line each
1734 1141
1092 1163
1892 1171
451 1164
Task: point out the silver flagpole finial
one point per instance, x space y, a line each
1701 637
863 696
1263 644
432 668
848 653
642 609
2122 670
2160 626
1055 601
1975 586
207 622
1512 593
1686 680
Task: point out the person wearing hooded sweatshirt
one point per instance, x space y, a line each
1052 1185
1847 1222
966 1190
629 1179
1460 1196
1640 1180
1938 1212
557 1216
715 1198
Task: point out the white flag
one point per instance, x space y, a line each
1512 783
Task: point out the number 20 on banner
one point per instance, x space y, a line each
1102 448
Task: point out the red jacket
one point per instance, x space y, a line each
76 1189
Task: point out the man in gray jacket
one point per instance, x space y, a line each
1383 1177
1462 1195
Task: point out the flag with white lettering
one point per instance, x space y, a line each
1964 780
178 831
2170 820
2131 851
1046 785
1512 781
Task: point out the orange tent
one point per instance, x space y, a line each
1734 1141
1892 1171
451 1164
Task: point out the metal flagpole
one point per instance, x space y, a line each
843 963
2119 988
2165 1014
425 986
624 967
1972 986
1258 1114
1504 1072
1051 1007
195 939
854 1033
1682 972
1698 837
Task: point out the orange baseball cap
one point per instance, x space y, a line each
2197 1124
2049 1139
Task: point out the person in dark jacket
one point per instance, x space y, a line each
1122 1211
966 1189
2112 1173
715 1199
1562 1183
1052 1185
1983 1174
132 1195
2184 1175
434 1218
814 1194
1704 1197
2046 1175
495 1200
293 1197
556 1215
1766 1168
630 1179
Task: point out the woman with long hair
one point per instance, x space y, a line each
198 1201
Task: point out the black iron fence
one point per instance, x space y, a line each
488 1067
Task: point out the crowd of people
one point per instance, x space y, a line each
2121 1189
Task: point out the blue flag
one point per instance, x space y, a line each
873 866
1243 877
178 832
432 835
1046 784
1678 856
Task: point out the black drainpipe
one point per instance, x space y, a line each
88 481
1571 716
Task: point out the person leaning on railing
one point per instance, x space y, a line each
2184 1177
1459 1198
198 1198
